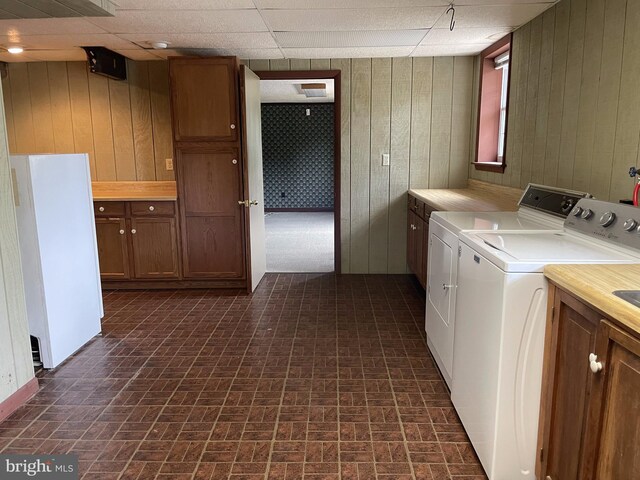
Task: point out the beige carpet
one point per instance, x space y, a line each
299 242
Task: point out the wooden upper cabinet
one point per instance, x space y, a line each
210 180
204 101
112 248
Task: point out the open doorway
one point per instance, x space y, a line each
300 150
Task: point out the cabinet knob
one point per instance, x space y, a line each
233 126
594 364
151 208
446 287
101 209
133 231
121 232
234 161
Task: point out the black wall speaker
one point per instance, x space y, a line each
103 61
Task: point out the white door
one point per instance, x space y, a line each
252 143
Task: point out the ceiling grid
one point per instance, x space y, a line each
271 29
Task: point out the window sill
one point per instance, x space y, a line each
497 167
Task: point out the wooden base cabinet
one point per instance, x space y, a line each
113 250
418 239
141 244
154 249
590 406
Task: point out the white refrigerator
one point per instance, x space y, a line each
57 235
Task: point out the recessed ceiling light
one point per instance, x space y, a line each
15 50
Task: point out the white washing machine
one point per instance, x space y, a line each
541 208
501 315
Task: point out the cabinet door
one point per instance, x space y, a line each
155 247
411 241
615 443
112 248
204 99
568 386
420 249
209 188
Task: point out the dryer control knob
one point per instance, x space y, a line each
577 211
587 214
630 225
607 219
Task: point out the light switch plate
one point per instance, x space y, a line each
169 163
385 159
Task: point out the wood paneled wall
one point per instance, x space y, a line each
125 126
574 112
16 365
420 111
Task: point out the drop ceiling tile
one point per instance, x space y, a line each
71 40
183 4
138 54
449 50
360 38
352 19
258 53
363 52
462 35
206 40
11 58
177 21
45 26
494 15
501 2
66 55
320 4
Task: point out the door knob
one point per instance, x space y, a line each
243 202
253 202
133 231
594 364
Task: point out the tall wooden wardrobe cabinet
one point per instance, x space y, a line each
209 168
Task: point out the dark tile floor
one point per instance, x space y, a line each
313 376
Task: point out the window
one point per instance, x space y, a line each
493 106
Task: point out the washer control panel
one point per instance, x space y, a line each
553 201
614 222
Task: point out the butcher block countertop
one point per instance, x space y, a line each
132 191
594 284
477 197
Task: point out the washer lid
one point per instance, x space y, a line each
529 252
492 221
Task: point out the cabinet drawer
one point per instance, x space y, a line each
140 209
416 206
109 209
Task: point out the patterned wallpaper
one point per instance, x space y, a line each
297 155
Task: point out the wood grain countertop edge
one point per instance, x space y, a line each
594 284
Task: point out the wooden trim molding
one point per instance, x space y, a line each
18 398
500 164
337 137
276 210
497 167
